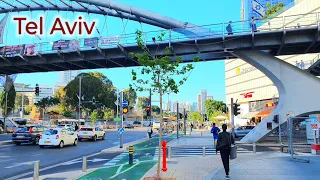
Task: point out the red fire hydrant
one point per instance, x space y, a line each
164 160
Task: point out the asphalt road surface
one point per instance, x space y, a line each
16 160
5 137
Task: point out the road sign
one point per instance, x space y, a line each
116 119
125 103
116 103
121 130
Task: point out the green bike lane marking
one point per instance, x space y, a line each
143 162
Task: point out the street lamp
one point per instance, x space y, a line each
79 96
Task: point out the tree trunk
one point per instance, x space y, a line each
160 131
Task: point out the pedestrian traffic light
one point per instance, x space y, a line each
37 90
148 111
236 109
276 119
93 100
180 115
125 110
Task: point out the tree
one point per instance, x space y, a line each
143 102
196 116
212 106
271 9
94 116
108 114
28 109
18 101
46 102
155 109
131 96
10 102
159 72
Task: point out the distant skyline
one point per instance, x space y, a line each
206 75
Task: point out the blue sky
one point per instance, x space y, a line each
207 75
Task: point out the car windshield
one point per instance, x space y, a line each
23 129
86 129
50 132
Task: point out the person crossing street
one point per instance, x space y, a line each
215 132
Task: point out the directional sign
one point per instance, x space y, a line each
125 103
116 103
121 130
116 119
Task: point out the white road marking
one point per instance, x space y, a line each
20 164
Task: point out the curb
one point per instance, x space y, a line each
6 142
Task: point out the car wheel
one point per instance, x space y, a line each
18 143
61 144
36 140
75 142
95 138
104 136
80 139
41 146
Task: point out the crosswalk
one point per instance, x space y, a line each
198 151
115 160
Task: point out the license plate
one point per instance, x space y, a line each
47 142
85 133
83 137
20 136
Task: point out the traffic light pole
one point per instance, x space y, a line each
177 120
232 117
79 104
184 121
121 116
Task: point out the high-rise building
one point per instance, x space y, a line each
188 106
168 105
174 108
199 102
210 97
45 91
203 100
66 76
194 106
253 9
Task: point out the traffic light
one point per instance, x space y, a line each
180 116
276 119
93 100
236 109
37 90
125 110
148 111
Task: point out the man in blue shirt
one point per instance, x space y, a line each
215 132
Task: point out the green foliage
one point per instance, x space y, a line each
108 114
28 110
67 113
195 116
18 101
94 116
47 102
271 9
215 114
155 109
142 102
131 96
213 106
11 100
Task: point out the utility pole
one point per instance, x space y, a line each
177 120
184 121
79 104
232 117
121 116
6 113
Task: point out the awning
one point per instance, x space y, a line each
249 115
264 113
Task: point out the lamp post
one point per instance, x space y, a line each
275 102
79 96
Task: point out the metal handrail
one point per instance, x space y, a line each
204 31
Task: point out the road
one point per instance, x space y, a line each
5 137
15 160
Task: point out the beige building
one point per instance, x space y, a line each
254 91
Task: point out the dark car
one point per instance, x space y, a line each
27 134
136 123
128 126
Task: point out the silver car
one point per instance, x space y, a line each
242 131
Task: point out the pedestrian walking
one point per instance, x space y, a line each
253 24
149 131
225 140
297 64
191 126
215 132
302 65
76 127
229 28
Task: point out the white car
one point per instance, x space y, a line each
58 137
92 133
65 126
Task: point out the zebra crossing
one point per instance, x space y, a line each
115 160
198 151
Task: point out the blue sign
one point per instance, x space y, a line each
125 103
121 130
91 42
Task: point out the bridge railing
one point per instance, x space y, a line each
197 32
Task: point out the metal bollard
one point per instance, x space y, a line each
254 148
201 133
204 151
84 164
130 155
281 147
170 152
36 170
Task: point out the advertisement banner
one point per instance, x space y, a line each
65 45
312 128
109 40
30 50
11 51
91 42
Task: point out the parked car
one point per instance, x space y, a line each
128 126
136 123
28 133
65 126
92 133
58 137
242 131
156 125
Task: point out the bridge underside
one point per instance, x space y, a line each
294 41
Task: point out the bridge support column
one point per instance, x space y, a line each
298 90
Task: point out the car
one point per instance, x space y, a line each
26 134
156 125
128 126
242 131
65 126
58 137
136 123
92 133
